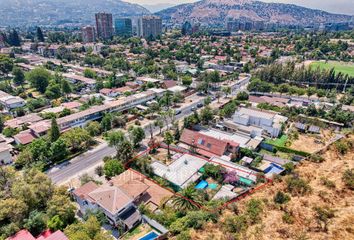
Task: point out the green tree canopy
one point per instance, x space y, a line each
39 79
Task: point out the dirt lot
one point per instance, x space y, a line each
305 226
310 142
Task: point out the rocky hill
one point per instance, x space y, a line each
218 11
56 12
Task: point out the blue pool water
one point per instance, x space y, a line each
202 184
149 236
213 186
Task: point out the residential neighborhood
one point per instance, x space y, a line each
143 128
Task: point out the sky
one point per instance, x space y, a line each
335 6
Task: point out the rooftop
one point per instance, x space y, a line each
110 198
181 171
228 137
256 113
207 145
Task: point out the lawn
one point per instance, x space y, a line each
278 141
345 68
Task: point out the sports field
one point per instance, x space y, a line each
344 68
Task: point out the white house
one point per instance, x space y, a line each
270 122
5 155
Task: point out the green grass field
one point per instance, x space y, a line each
344 68
278 141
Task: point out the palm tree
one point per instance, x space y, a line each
168 139
187 199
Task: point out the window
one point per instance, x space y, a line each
201 141
208 145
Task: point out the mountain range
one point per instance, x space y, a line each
57 12
216 12
206 12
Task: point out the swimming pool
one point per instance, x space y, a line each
202 184
213 186
149 236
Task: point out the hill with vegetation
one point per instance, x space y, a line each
59 12
218 11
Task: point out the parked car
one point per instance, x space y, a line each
178 112
199 105
193 109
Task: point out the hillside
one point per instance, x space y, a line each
218 11
56 12
298 218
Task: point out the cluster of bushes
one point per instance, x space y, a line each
236 225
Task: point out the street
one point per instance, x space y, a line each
90 159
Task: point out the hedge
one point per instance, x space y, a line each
289 150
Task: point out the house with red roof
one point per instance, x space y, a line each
206 145
46 235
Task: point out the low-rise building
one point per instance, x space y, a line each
182 171
46 235
269 121
5 155
206 145
11 102
118 199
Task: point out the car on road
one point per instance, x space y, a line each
199 105
193 109
178 112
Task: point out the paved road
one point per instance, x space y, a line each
67 170
77 166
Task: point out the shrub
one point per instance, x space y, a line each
112 168
235 224
254 209
323 215
289 167
328 183
316 158
348 178
343 146
185 235
297 186
281 198
99 171
288 218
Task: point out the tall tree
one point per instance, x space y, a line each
6 65
54 132
65 87
168 139
14 38
39 78
123 147
136 135
112 168
19 76
40 36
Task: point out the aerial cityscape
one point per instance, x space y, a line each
190 120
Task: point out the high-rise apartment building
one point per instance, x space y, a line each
123 27
104 25
149 26
88 34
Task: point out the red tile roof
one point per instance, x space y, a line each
46 235
22 235
24 137
84 190
207 145
71 105
57 235
170 83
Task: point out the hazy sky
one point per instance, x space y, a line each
338 6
